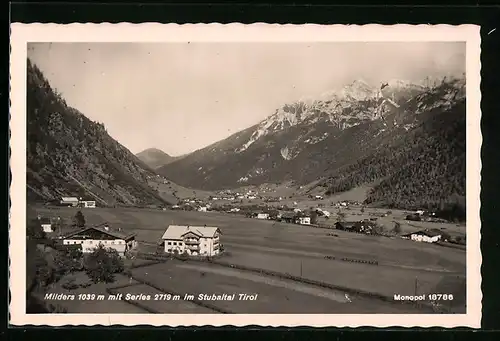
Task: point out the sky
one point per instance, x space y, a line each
180 97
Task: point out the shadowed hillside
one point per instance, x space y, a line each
155 158
69 155
408 139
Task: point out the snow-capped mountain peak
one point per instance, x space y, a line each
345 107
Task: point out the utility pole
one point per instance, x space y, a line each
301 268
416 284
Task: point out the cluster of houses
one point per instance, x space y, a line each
347 203
231 196
190 240
369 226
296 216
77 202
422 215
363 226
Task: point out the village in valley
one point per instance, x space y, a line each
208 232
263 200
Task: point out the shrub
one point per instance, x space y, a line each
397 228
79 219
102 264
34 229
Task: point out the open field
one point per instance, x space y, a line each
300 250
273 295
173 192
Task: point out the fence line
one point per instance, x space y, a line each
362 293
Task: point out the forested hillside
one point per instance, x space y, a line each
69 155
426 169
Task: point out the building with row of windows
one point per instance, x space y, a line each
192 240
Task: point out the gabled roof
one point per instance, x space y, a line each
99 228
346 224
69 198
177 231
45 221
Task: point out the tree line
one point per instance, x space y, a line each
425 170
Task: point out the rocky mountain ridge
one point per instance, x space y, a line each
311 139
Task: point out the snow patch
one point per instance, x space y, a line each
284 153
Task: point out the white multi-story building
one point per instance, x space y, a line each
193 240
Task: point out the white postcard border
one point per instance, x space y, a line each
21 34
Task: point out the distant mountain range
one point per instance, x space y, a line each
406 138
155 158
69 155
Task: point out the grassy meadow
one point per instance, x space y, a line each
403 266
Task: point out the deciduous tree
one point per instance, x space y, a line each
102 264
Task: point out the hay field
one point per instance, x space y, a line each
290 248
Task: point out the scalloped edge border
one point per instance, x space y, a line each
237 32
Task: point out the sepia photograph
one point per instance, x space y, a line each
249 177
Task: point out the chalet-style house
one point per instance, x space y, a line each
46 224
91 237
192 240
70 201
428 236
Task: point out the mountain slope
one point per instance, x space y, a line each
69 155
155 158
329 137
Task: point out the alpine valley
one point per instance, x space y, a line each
405 140
69 155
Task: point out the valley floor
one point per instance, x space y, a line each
404 267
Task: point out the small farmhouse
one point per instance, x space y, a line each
193 240
304 220
69 201
87 203
46 225
263 216
91 237
428 236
